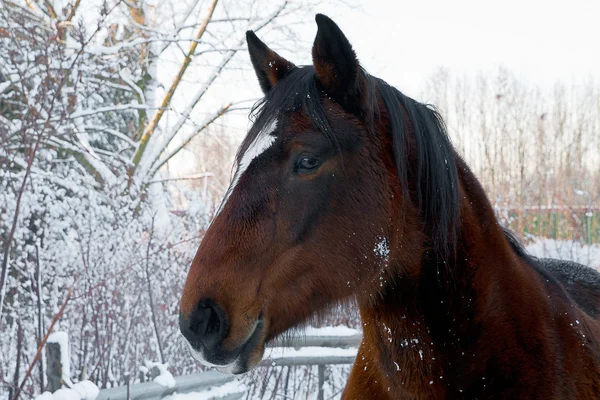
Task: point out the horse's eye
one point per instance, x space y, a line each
307 164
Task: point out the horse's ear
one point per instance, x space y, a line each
335 62
270 67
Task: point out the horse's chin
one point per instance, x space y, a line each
244 363
249 353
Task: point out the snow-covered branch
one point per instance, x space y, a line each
149 130
186 140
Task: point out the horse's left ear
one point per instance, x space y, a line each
335 62
269 66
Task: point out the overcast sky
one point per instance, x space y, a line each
542 41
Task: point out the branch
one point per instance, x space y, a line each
126 77
178 26
169 95
151 297
30 10
189 138
87 158
112 50
203 175
119 107
113 132
50 176
72 11
51 11
151 158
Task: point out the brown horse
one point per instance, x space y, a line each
347 189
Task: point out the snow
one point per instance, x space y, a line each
290 352
213 393
45 396
165 378
62 338
4 85
66 394
566 250
86 389
382 248
331 331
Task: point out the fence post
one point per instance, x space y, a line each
57 360
128 383
53 367
321 394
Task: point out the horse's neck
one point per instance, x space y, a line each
429 312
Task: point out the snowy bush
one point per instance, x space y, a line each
87 125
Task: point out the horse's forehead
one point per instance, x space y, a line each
261 142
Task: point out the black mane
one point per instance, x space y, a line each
435 173
435 179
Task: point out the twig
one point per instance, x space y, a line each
187 140
51 11
186 178
150 297
72 10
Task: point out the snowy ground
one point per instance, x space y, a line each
566 250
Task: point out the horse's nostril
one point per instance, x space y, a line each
206 325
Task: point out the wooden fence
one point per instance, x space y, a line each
563 223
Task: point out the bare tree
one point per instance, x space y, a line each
534 149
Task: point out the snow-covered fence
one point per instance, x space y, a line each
182 384
320 350
323 337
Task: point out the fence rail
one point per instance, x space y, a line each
204 381
153 391
320 341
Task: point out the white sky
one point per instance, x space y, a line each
541 41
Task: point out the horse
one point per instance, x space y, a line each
348 190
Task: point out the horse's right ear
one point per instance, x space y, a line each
269 66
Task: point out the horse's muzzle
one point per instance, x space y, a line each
206 328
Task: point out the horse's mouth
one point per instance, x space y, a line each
250 353
246 356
